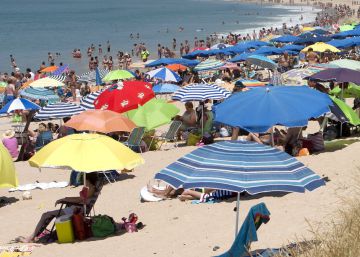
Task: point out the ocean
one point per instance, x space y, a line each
31 29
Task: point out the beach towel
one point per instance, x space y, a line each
42 186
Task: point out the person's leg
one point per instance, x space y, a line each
189 194
254 137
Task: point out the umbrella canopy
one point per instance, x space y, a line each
346 27
268 50
259 109
349 33
19 104
176 67
60 78
338 75
351 116
41 94
345 43
165 88
350 91
86 153
240 58
103 121
50 69
125 96
8 176
346 63
166 61
292 48
250 83
200 92
240 167
90 76
58 111
164 74
60 70
311 39
118 75
209 64
87 102
261 61
285 39
321 47
46 82
153 114
296 77
220 46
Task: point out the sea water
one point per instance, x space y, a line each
31 29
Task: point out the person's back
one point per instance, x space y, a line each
43 138
11 145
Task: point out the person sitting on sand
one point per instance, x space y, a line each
42 136
261 138
10 142
188 118
47 217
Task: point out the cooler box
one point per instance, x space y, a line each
64 229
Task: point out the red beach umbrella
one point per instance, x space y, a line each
124 96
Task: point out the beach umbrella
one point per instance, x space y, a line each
46 82
176 67
166 61
220 46
296 77
291 48
153 114
308 29
60 70
3 85
60 78
261 61
230 65
349 33
40 94
285 39
321 47
259 109
344 43
253 44
351 91
103 121
311 39
351 116
346 27
200 92
8 176
164 74
319 32
240 166
90 76
118 75
240 58
268 50
209 64
165 88
87 102
58 111
19 104
250 83
50 69
346 63
124 96
337 75
98 80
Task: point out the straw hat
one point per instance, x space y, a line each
9 133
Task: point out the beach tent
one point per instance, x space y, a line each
285 39
166 61
8 176
40 94
164 74
58 111
259 109
261 61
46 82
321 47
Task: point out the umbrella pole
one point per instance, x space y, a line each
342 98
84 199
237 214
272 137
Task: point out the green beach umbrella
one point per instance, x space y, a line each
352 91
118 75
349 113
3 84
153 114
346 27
346 63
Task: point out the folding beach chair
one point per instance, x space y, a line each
257 215
134 140
171 134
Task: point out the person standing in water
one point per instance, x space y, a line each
108 46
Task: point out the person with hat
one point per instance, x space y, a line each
10 142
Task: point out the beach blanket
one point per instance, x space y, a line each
42 186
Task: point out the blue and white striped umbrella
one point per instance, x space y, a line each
87 102
19 104
200 92
240 166
41 94
90 76
165 88
164 74
60 78
58 111
209 64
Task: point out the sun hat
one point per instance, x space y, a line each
9 133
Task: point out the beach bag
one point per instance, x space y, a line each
102 226
192 139
317 141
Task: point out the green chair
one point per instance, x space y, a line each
134 140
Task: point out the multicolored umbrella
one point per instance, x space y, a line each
8 176
321 47
209 64
296 77
153 114
46 82
41 94
103 121
60 70
118 75
50 69
164 74
58 111
19 104
251 83
124 96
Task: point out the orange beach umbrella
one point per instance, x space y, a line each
50 69
176 67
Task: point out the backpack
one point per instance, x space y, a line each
102 226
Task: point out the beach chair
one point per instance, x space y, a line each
257 215
171 134
134 140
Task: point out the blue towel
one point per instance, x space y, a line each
257 215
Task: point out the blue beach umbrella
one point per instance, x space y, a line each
58 111
200 92
268 50
259 109
240 58
349 33
164 74
98 80
166 61
292 48
261 61
165 88
19 104
285 39
87 102
209 64
41 94
61 69
311 39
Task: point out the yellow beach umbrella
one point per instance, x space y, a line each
7 169
86 153
46 82
307 29
321 47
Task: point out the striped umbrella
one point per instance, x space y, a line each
60 78
200 92
41 94
19 104
209 64
87 102
46 82
164 74
90 76
58 111
261 61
